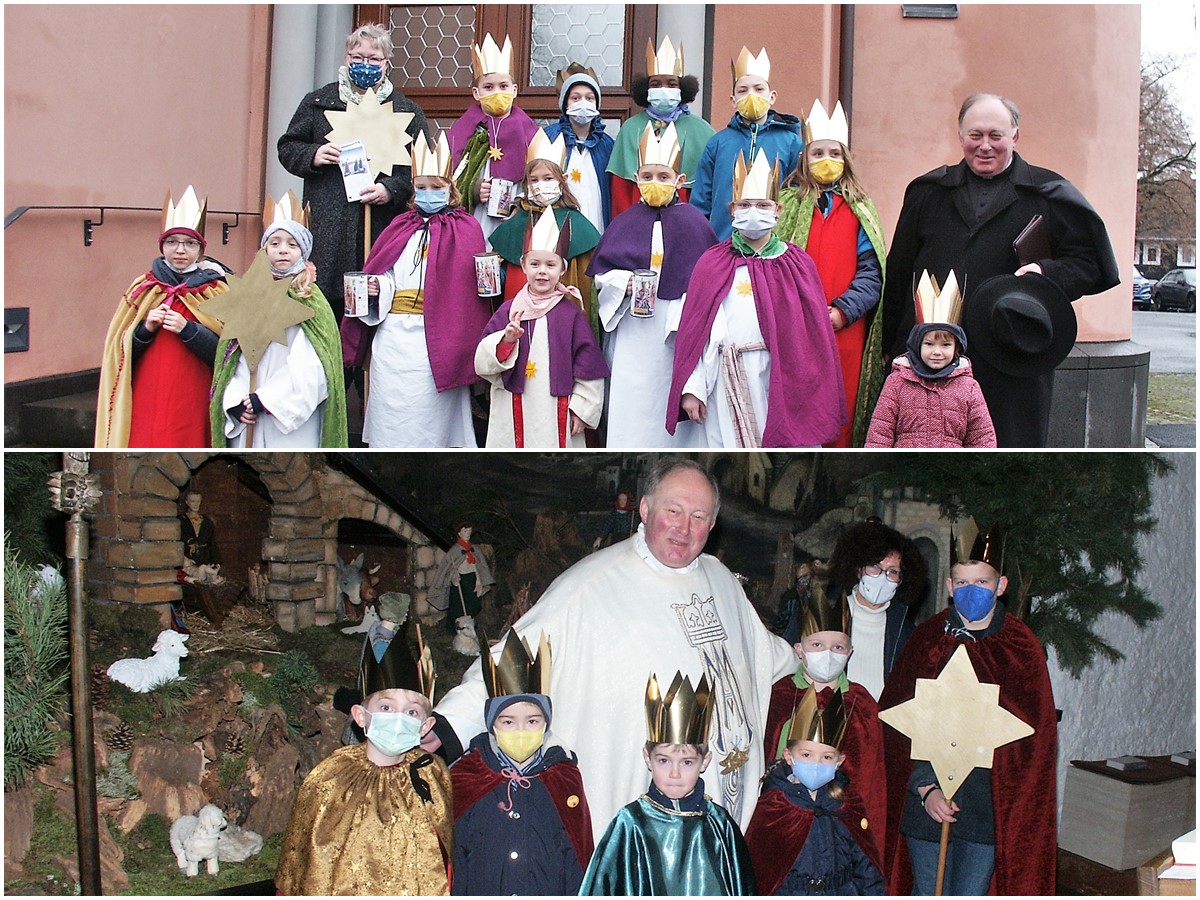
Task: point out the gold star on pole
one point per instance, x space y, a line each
383 132
955 721
257 310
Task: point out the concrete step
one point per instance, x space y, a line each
60 422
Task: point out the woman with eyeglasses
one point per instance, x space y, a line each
337 224
883 574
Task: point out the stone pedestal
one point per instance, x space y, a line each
1100 396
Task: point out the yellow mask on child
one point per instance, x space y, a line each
656 193
752 106
497 104
519 745
826 170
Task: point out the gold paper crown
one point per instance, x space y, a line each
668 60
541 147
288 208
546 235
489 58
190 213
824 614
564 75
397 668
682 716
971 544
821 126
431 160
825 726
759 182
748 64
664 150
518 671
943 305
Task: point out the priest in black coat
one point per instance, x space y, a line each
966 217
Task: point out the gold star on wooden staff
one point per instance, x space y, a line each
383 131
257 310
956 722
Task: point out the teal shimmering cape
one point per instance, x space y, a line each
649 849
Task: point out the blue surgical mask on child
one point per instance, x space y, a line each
365 75
663 100
973 601
813 775
393 733
431 200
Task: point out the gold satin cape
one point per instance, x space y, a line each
114 409
358 828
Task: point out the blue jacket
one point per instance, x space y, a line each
780 136
599 144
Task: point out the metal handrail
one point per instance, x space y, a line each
88 224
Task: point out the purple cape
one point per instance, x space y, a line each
806 404
574 352
626 244
515 134
454 313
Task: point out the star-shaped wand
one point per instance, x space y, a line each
956 722
257 310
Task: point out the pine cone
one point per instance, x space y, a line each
120 738
101 686
235 745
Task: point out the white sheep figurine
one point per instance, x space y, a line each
142 675
370 617
195 838
465 640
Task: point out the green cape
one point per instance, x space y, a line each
693 134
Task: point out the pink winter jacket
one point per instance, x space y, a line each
943 412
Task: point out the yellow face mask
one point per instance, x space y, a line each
656 193
752 106
497 104
519 745
826 170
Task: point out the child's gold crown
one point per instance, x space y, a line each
431 160
546 235
190 213
518 671
759 182
820 126
397 669
682 716
541 147
748 64
489 57
287 209
660 150
823 614
825 726
668 60
943 306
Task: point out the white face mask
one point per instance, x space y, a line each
582 111
663 100
546 193
876 589
754 223
825 666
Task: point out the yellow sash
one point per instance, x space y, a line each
410 301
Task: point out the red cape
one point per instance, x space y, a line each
805 403
170 388
473 780
863 744
779 828
1023 772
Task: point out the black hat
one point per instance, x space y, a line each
1021 324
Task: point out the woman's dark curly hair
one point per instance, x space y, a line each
689 87
865 544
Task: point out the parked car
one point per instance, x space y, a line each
1141 290
1176 290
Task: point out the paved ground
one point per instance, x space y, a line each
1171 337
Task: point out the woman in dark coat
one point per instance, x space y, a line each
337 224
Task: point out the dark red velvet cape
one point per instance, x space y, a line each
473 780
863 744
779 828
1023 772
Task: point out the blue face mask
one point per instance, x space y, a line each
973 601
432 200
365 75
394 734
663 100
813 774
